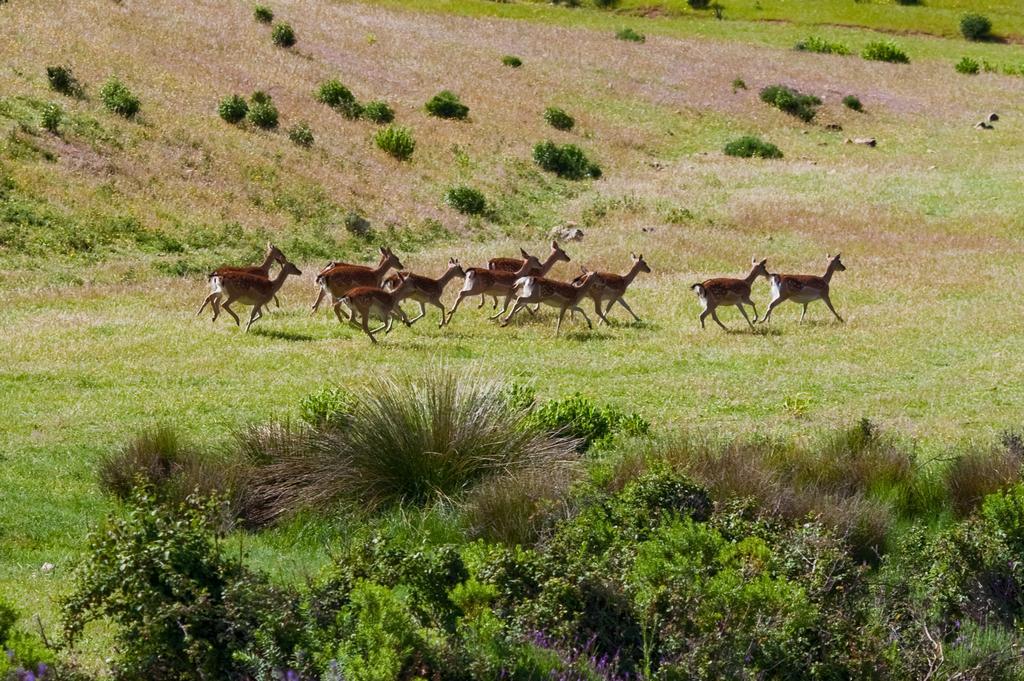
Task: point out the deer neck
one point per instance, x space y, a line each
829 270
277 282
446 277
631 275
752 277
546 266
382 268
268 260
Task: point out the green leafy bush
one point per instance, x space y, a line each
976 27
908 2
968 66
51 117
446 104
262 112
512 60
378 112
821 45
396 140
466 200
698 4
738 84
62 80
884 50
558 119
791 101
566 160
335 95
263 14
118 99
233 109
326 407
630 35
301 134
853 102
750 146
283 35
606 4
579 418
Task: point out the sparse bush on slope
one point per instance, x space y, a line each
262 112
466 200
791 101
396 141
853 102
62 80
446 104
283 35
118 99
378 112
976 27
512 60
335 95
263 14
301 135
51 117
968 66
629 35
822 46
565 160
233 109
750 146
884 50
558 118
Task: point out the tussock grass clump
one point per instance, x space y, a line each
518 509
378 112
62 80
262 14
512 61
558 118
853 102
968 66
51 117
974 475
118 99
630 35
821 45
233 109
301 135
795 103
976 27
566 160
884 50
262 112
466 200
283 35
750 146
396 141
446 104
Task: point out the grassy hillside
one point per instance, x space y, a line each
108 227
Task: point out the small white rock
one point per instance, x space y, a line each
46 568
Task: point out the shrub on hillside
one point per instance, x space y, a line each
283 35
118 99
908 2
233 109
738 84
262 112
884 50
853 102
750 146
791 101
589 424
512 60
558 119
606 4
328 406
976 27
446 104
301 134
395 140
378 112
466 200
51 117
817 44
630 35
566 160
698 4
968 66
62 80
263 14
335 95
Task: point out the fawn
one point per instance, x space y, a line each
424 289
558 294
249 289
804 288
716 292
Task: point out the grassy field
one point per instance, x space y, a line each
107 229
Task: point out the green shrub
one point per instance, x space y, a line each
739 84
378 112
558 119
579 418
791 101
565 160
817 44
968 66
466 200
118 99
383 638
630 35
328 406
301 134
233 109
606 4
908 2
23 653
395 140
884 50
283 35
750 146
335 95
262 112
976 27
698 4
512 60
62 80
51 117
446 104
853 102
263 14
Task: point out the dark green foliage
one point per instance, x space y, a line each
262 112
446 104
698 4
51 117
822 46
233 109
263 14
512 60
62 80
466 200
356 224
301 134
750 146
968 66
283 35
884 50
566 160
328 406
334 94
118 99
22 653
976 27
630 35
738 84
378 112
396 140
791 101
579 418
606 4
853 102
558 119
908 2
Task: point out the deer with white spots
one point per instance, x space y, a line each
249 289
561 295
611 287
488 282
273 255
371 300
556 256
424 289
804 288
714 293
337 280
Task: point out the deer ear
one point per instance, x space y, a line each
765 261
554 244
837 255
523 253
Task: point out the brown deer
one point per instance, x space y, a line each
558 294
716 292
338 280
424 289
610 287
556 255
249 289
273 255
371 300
488 282
804 288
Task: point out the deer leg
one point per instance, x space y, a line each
209 300
423 312
585 317
337 313
366 325
714 316
533 310
253 316
558 326
771 306
597 309
803 313
277 302
226 306
703 316
438 305
319 299
744 313
508 300
462 295
750 302
483 299
623 303
516 308
216 308
828 303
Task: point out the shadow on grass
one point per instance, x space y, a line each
281 335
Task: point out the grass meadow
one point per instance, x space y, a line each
108 227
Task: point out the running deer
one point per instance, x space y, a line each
804 288
610 287
249 289
371 300
424 289
488 282
556 255
716 292
274 254
338 280
558 294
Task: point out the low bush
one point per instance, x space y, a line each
334 94
968 66
446 104
25 657
283 35
396 140
301 134
630 35
884 50
817 44
698 4
853 102
908 2
263 14
791 101
750 146
328 406
262 112
566 160
233 109
62 80
606 4
51 117
558 119
739 84
466 200
976 27
118 99
512 60
589 424
378 112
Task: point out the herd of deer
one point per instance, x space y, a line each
370 292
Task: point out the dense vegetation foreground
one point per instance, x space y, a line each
641 500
